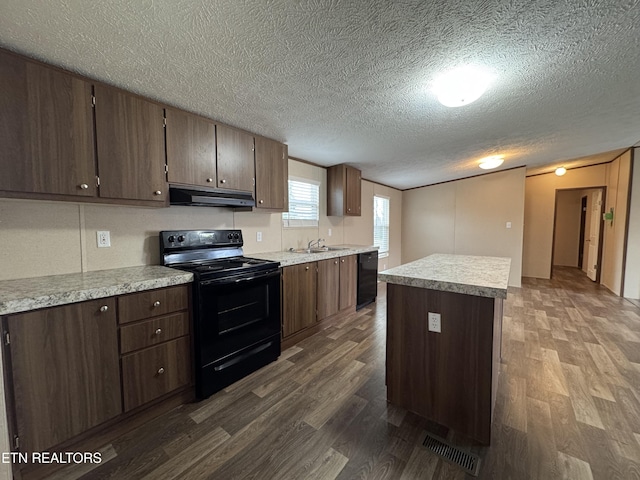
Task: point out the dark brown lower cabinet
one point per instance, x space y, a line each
348 281
299 286
155 371
65 371
328 287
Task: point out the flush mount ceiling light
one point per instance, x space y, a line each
494 161
461 86
561 171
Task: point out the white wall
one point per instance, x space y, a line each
50 238
467 217
632 266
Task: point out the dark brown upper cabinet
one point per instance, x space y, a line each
343 191
130 145
236 168
191 149
46 130
272 172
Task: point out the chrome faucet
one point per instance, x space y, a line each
315 243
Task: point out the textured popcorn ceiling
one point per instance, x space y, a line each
347 81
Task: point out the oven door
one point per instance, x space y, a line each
236 313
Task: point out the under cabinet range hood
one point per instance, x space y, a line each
209 197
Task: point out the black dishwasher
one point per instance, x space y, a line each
367 278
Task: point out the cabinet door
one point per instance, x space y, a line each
328 287
348 281
46 130
299 285
130 139
191 149
352 204
236 169
66 377
272 172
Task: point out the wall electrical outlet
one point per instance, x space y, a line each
434 322
259 236
329 233
508 224
104 238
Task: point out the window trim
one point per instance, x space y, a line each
383 253
286 221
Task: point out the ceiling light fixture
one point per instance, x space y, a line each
494 161
461 86
561 171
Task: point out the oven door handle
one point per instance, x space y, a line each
234 281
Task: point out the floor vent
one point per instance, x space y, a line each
469 462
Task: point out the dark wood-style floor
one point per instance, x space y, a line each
568 404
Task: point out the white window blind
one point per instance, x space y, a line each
304 200
381 225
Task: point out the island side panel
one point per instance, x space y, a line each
446 377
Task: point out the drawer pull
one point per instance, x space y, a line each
104 308
156 303
157 192
84 186
342 260
158 331
306 268
160 370
335 262
209 180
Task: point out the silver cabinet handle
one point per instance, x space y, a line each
156 303
158 331
260 201
84 186
160 370
157 192
223 181
306 268
342 260
335 262
209 180
104 308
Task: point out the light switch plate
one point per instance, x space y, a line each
259 236
508 224
435 324
329 233
103 238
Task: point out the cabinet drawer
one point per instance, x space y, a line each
152 303
154 331
150 373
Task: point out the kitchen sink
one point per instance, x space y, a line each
316 249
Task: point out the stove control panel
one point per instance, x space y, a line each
193 239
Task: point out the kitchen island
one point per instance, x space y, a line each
450 376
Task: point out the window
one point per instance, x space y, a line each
381 225
304 200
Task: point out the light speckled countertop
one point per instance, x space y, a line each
32 293
471 275
287 259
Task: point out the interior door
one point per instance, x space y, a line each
594 235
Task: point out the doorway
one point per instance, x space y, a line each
583 225
578 230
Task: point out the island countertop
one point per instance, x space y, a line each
466 274
26 294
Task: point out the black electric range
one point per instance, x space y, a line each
236 304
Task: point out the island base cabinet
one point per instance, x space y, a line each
448 377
